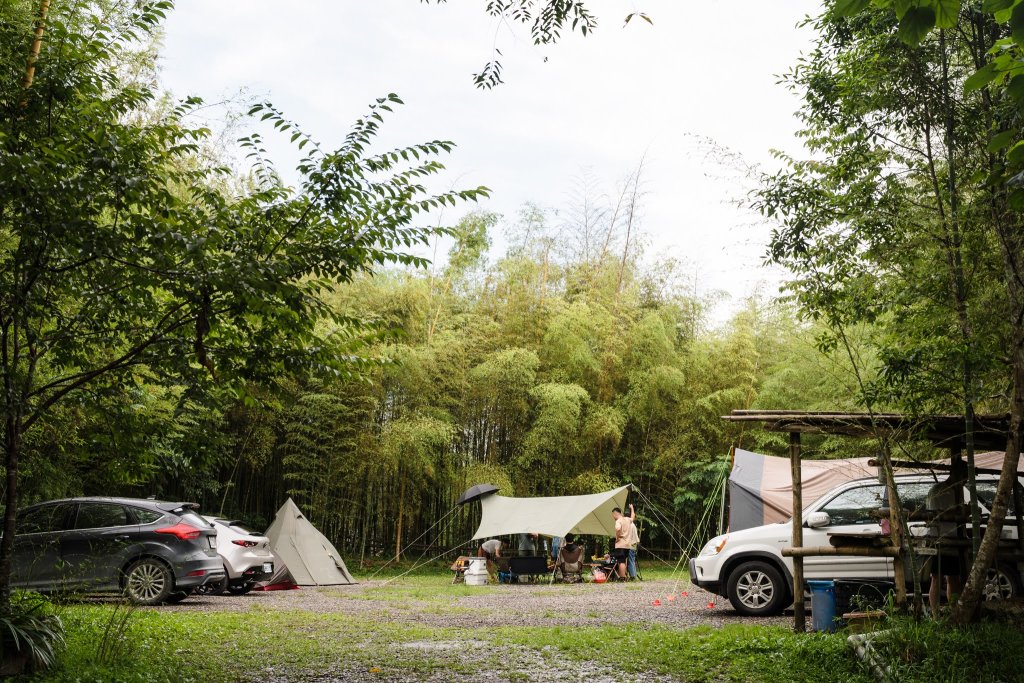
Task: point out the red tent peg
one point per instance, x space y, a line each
685 594
671 597
656 603
711 605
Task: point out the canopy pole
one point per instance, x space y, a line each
799 618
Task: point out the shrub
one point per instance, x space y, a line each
31 635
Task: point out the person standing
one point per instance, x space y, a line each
556 543
942 497
623 525
634 541
491 550
527 544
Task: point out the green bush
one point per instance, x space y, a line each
30 631
937 652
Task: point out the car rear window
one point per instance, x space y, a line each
146 516
242 529
195 520
101 515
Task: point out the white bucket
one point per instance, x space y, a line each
476 572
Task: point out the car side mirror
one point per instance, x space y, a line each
816 520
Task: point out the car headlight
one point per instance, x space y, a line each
714 546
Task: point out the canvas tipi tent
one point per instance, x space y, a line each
303 552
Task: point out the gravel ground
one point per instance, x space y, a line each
682 606
506 605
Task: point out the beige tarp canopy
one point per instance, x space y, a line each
306 553
761 486
551 516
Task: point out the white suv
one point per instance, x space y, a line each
748 568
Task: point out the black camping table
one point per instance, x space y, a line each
529 566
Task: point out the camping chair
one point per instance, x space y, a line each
569 564
609 566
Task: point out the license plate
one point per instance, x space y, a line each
268 567
212 540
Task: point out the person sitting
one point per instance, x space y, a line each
569 564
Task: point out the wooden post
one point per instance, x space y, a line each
799 618
899 575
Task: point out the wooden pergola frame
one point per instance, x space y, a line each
944 431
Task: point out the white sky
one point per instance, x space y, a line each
600 103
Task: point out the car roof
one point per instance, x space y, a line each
167 506
920 477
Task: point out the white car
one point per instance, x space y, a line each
246 556
748 568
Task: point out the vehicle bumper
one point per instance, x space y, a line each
195 573
240 565
258 572
697 580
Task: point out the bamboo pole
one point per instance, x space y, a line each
799 618
832 551
33 55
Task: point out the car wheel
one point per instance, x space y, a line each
757 589
1000 584
241 588
177 596
148 582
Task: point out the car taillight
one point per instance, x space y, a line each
183 531
245 544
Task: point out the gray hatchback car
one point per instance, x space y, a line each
150 550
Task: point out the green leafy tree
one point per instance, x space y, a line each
912 125
120 249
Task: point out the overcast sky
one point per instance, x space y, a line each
704 70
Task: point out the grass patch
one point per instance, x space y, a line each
165 646
731 653
925 650
420 588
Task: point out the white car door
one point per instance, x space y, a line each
850 513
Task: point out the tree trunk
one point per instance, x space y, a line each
966 609
1012 243
401 511
12 453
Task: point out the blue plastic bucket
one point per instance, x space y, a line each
823 606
